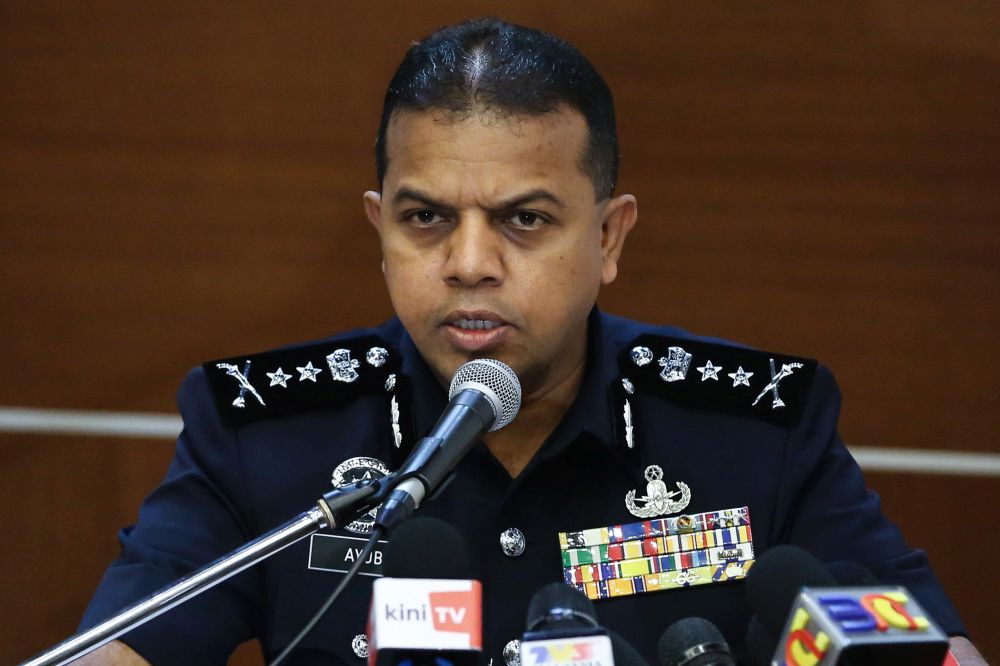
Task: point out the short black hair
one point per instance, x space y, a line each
486 63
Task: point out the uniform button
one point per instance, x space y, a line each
512 653
360 646
512 542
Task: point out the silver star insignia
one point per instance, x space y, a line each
740 377
308 372
278 378
709 371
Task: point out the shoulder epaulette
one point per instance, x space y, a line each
726 378
295 379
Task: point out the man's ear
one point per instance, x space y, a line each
373 209
620 215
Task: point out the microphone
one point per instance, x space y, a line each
872 624
425 611
563 631
485 395
774 582
694 641
777 578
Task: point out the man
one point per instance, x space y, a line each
497 160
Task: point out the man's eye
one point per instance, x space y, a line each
425 217
526 220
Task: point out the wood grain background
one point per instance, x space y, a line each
182 181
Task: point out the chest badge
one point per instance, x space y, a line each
357 469
657 501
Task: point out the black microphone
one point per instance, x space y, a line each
624 652
425 610
777 578
426 547
760 643
846 572
694 641
563 631
485 395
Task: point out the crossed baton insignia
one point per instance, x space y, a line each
786 370
245 385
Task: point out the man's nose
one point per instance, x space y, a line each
475 253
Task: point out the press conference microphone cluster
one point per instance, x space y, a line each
484 396
562 630
805 619
426 610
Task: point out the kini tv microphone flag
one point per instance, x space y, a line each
426 610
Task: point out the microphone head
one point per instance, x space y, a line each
760 643
693 641
624 653
851 574
559 603
496 381
426 548
776 579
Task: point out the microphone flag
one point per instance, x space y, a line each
865 625
425 614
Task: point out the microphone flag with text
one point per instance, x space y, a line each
826 624
426 610
563 631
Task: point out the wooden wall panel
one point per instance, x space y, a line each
180 182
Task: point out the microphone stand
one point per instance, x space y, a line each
337 507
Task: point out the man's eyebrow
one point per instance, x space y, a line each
411 194
529 197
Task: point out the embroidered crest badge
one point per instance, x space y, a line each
352 470
657 501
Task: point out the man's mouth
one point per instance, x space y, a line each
475 324
475 331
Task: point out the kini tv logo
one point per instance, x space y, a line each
828 621
447 611
425 614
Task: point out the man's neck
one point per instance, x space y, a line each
515 445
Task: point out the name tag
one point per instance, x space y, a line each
335 552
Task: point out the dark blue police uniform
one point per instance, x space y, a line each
264 433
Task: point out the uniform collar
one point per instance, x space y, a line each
590 413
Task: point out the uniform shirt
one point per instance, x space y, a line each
228 484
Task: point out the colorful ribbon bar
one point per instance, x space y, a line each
652 546
675 525
621 587
662 554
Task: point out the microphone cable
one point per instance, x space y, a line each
373 539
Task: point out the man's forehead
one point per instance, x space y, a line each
441 149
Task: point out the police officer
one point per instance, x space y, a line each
498 221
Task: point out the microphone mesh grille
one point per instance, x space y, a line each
494 379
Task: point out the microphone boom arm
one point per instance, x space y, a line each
337 507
